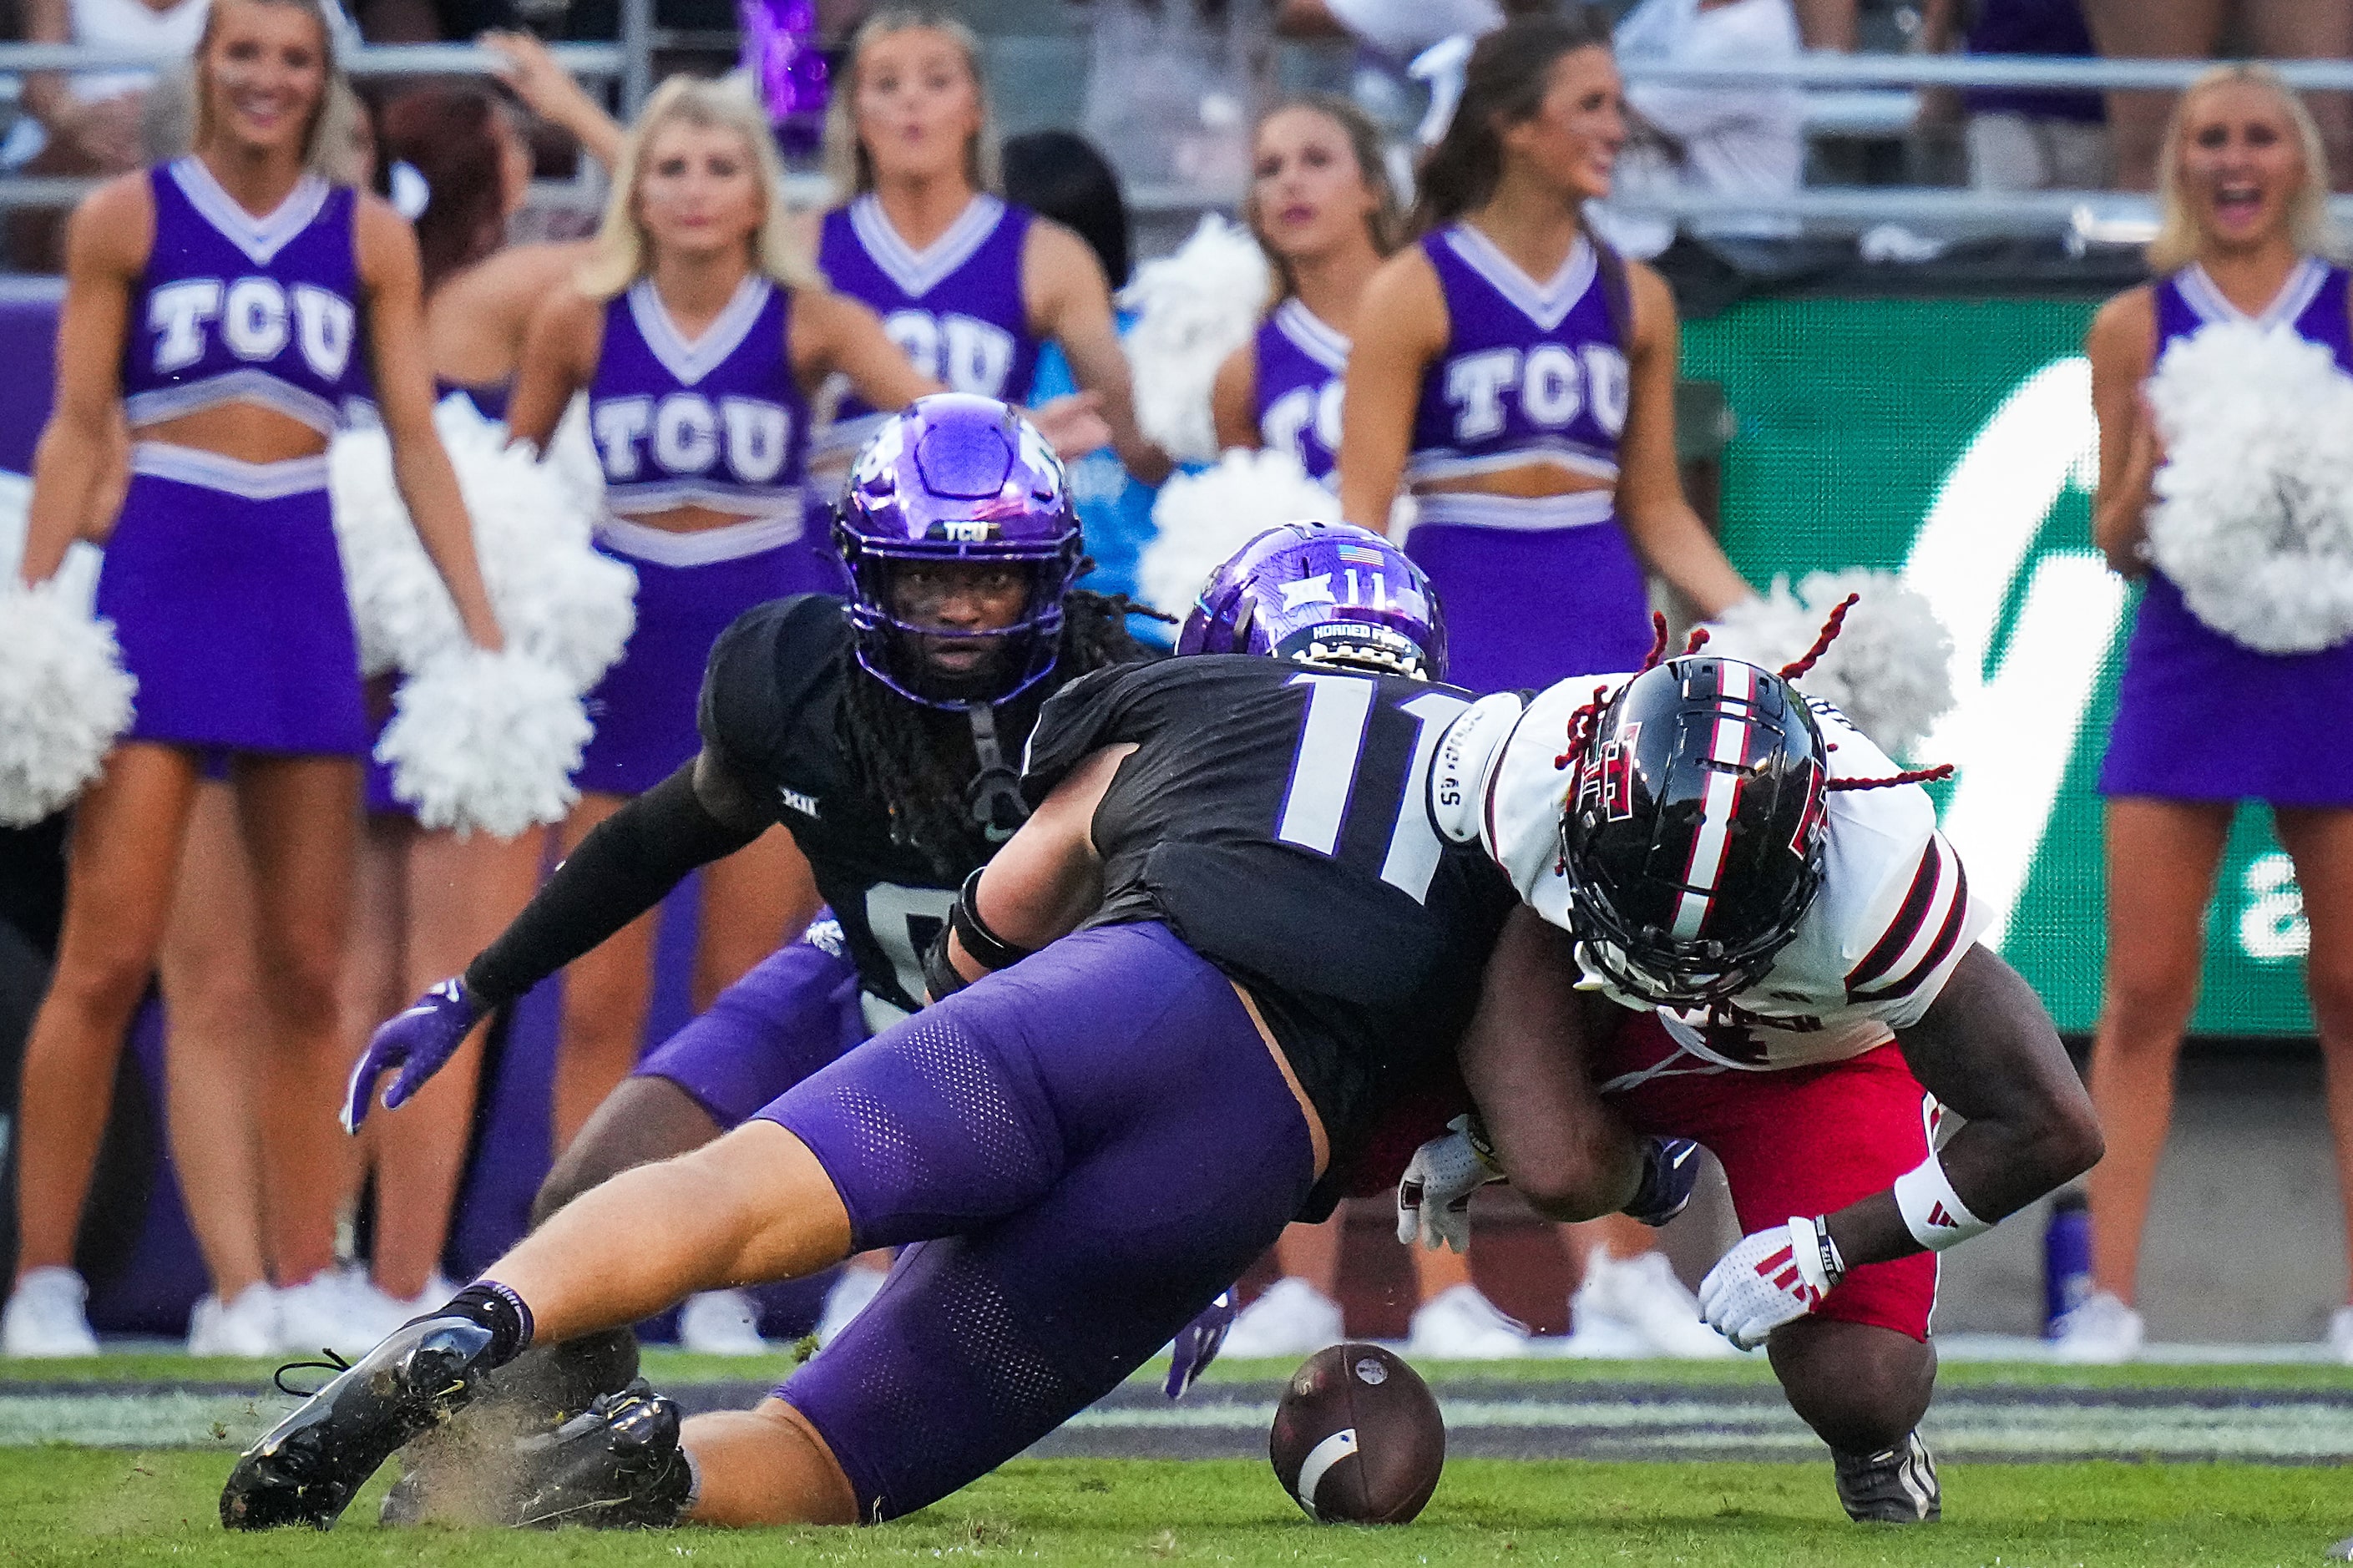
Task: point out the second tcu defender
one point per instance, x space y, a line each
882 731
1084 1149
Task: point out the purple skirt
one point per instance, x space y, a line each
644 708
1529 606
231 612
2200 716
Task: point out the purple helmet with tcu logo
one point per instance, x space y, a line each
960 485
1322 593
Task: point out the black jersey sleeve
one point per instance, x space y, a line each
1075 724
763 670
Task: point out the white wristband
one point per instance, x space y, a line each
1932 1211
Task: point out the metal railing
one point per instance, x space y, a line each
590 61
2086 214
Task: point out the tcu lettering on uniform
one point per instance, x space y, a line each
963 353
1303 407
257 317
690 435
1554 385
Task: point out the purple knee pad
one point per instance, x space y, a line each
794 1012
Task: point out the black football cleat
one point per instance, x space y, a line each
616 1467
306 1470
452 1476
1894 1486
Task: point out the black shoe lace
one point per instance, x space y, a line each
333 1363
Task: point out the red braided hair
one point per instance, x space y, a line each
1829 635
1918 776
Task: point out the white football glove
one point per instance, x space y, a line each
1434 1195
1768 1279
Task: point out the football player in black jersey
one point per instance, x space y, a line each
884 733
1083 1150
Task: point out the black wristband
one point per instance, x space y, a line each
940 976
986 948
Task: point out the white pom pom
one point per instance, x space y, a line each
64 696
1193 309
402 613
572 459
1201 518
555 596
2254 519
486 740
1891 670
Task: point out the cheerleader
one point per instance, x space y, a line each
2204 722
1321 206
1520 377
214 304
967 284
424 895
699 333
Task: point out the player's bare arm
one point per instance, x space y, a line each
1986 1049
1044 882
1526 1063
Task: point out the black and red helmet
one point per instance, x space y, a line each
1692 837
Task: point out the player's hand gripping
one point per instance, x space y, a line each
1768 1279
416 1043
1433 1196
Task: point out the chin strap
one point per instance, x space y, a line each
994 797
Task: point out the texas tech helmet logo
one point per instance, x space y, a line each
1616 773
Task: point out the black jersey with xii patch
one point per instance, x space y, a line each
771 709
1274 817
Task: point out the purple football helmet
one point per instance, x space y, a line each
955 480
1322 593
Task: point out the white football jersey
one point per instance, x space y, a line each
1891 922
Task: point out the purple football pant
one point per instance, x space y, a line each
794 1012
1088 1147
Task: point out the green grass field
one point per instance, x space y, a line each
82 1506
64 1504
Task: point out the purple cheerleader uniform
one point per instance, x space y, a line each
718 423
2185 684
1300 362
955 308
1535 591
222 577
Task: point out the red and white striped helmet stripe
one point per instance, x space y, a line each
1720 802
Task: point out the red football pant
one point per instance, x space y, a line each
1799 1141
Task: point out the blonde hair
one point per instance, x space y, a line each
1386 223
620 254
329 114
2179 237
848 162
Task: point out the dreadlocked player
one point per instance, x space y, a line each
884 733
1754 880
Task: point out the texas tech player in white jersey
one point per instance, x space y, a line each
1891 922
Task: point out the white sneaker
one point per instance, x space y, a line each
1460 1324
333 1311
246 1325
721 1322
44 1316
853 1288
2341 1335
1632 1307
1289 1318
2101 1331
